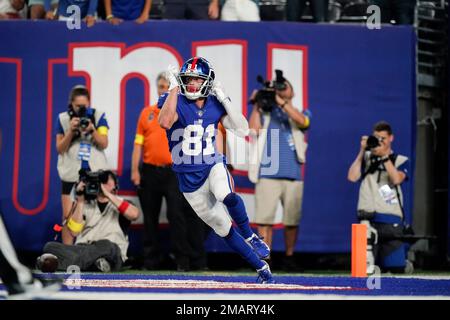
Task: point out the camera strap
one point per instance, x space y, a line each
400 203
375 166
393 158
58 228
72 211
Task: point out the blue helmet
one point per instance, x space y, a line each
197 67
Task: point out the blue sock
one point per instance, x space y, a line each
238 244
236 209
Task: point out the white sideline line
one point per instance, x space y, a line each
192 284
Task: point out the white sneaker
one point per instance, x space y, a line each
103 265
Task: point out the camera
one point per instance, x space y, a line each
265 97
82 114
92 181
84 122
372 142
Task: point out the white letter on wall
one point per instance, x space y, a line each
107 65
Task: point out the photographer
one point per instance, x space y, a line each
380 203
81 137
277 154
99 220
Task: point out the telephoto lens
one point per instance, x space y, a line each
372 142
84 122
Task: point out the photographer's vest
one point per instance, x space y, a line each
371 197
103 226
69 163
257 143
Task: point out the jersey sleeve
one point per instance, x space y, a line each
102 125
179 108
162 98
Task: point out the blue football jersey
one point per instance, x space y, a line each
192 140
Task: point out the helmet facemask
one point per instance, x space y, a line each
200 92
196 68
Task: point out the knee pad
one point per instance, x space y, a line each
220 184
222 228
221 192
218 220
211 212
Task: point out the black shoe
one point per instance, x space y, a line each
103 265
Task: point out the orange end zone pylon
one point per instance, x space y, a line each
359 250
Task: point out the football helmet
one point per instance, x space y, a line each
196 67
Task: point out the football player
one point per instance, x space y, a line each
191 112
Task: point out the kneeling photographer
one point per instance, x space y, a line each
277 153
380 203
99 220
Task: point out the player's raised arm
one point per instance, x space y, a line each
233 120
168 114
